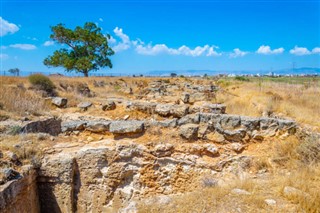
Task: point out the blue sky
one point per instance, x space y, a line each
170 35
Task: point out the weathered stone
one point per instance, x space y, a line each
69 126
51 126
189 131
270 202
211 149
189 119
20 194
109 105
163 150
250 123
237 147
59 102
165 123
179 111
163 109
84 105
98 126
126 127
143 106
230 121
210 108
185 98
236 135
240 192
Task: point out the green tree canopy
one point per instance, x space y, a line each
88 49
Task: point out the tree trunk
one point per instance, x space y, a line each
86 73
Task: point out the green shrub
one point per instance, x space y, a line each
14 130
42 82
241 78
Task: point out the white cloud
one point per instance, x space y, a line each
266 50
237 53
112 40
212 52
316 50
3 56
101 19
6 27
4 47
183 50
48 43
300 51
125 40
23 46
154 50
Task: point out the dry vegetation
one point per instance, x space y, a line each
288 163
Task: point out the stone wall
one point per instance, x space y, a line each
20 195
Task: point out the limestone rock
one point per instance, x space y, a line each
59 102
84 105
163 109
270 202
191 118
240 192
126 127
109 105
69 126
189 131
51 126
98 126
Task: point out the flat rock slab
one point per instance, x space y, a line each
126 127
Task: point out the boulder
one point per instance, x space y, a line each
175 110
109 105
69 126
84 105
189 131
236 135
163 109
211 149
163 150
98 126
189 119
59 102
126 127
143 106
230 121
179 111
51 126
165 123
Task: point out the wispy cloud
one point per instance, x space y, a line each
300 51
237 53
316 50
150 49
266 50
125 40
23 46
101 19
48 43
3 56
7 27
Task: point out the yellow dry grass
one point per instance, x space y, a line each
295 101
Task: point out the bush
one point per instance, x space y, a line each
42 82
241 78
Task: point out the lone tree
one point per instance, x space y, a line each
88 49
14 71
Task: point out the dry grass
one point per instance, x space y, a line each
22 101
281 99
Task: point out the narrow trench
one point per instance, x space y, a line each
76 184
